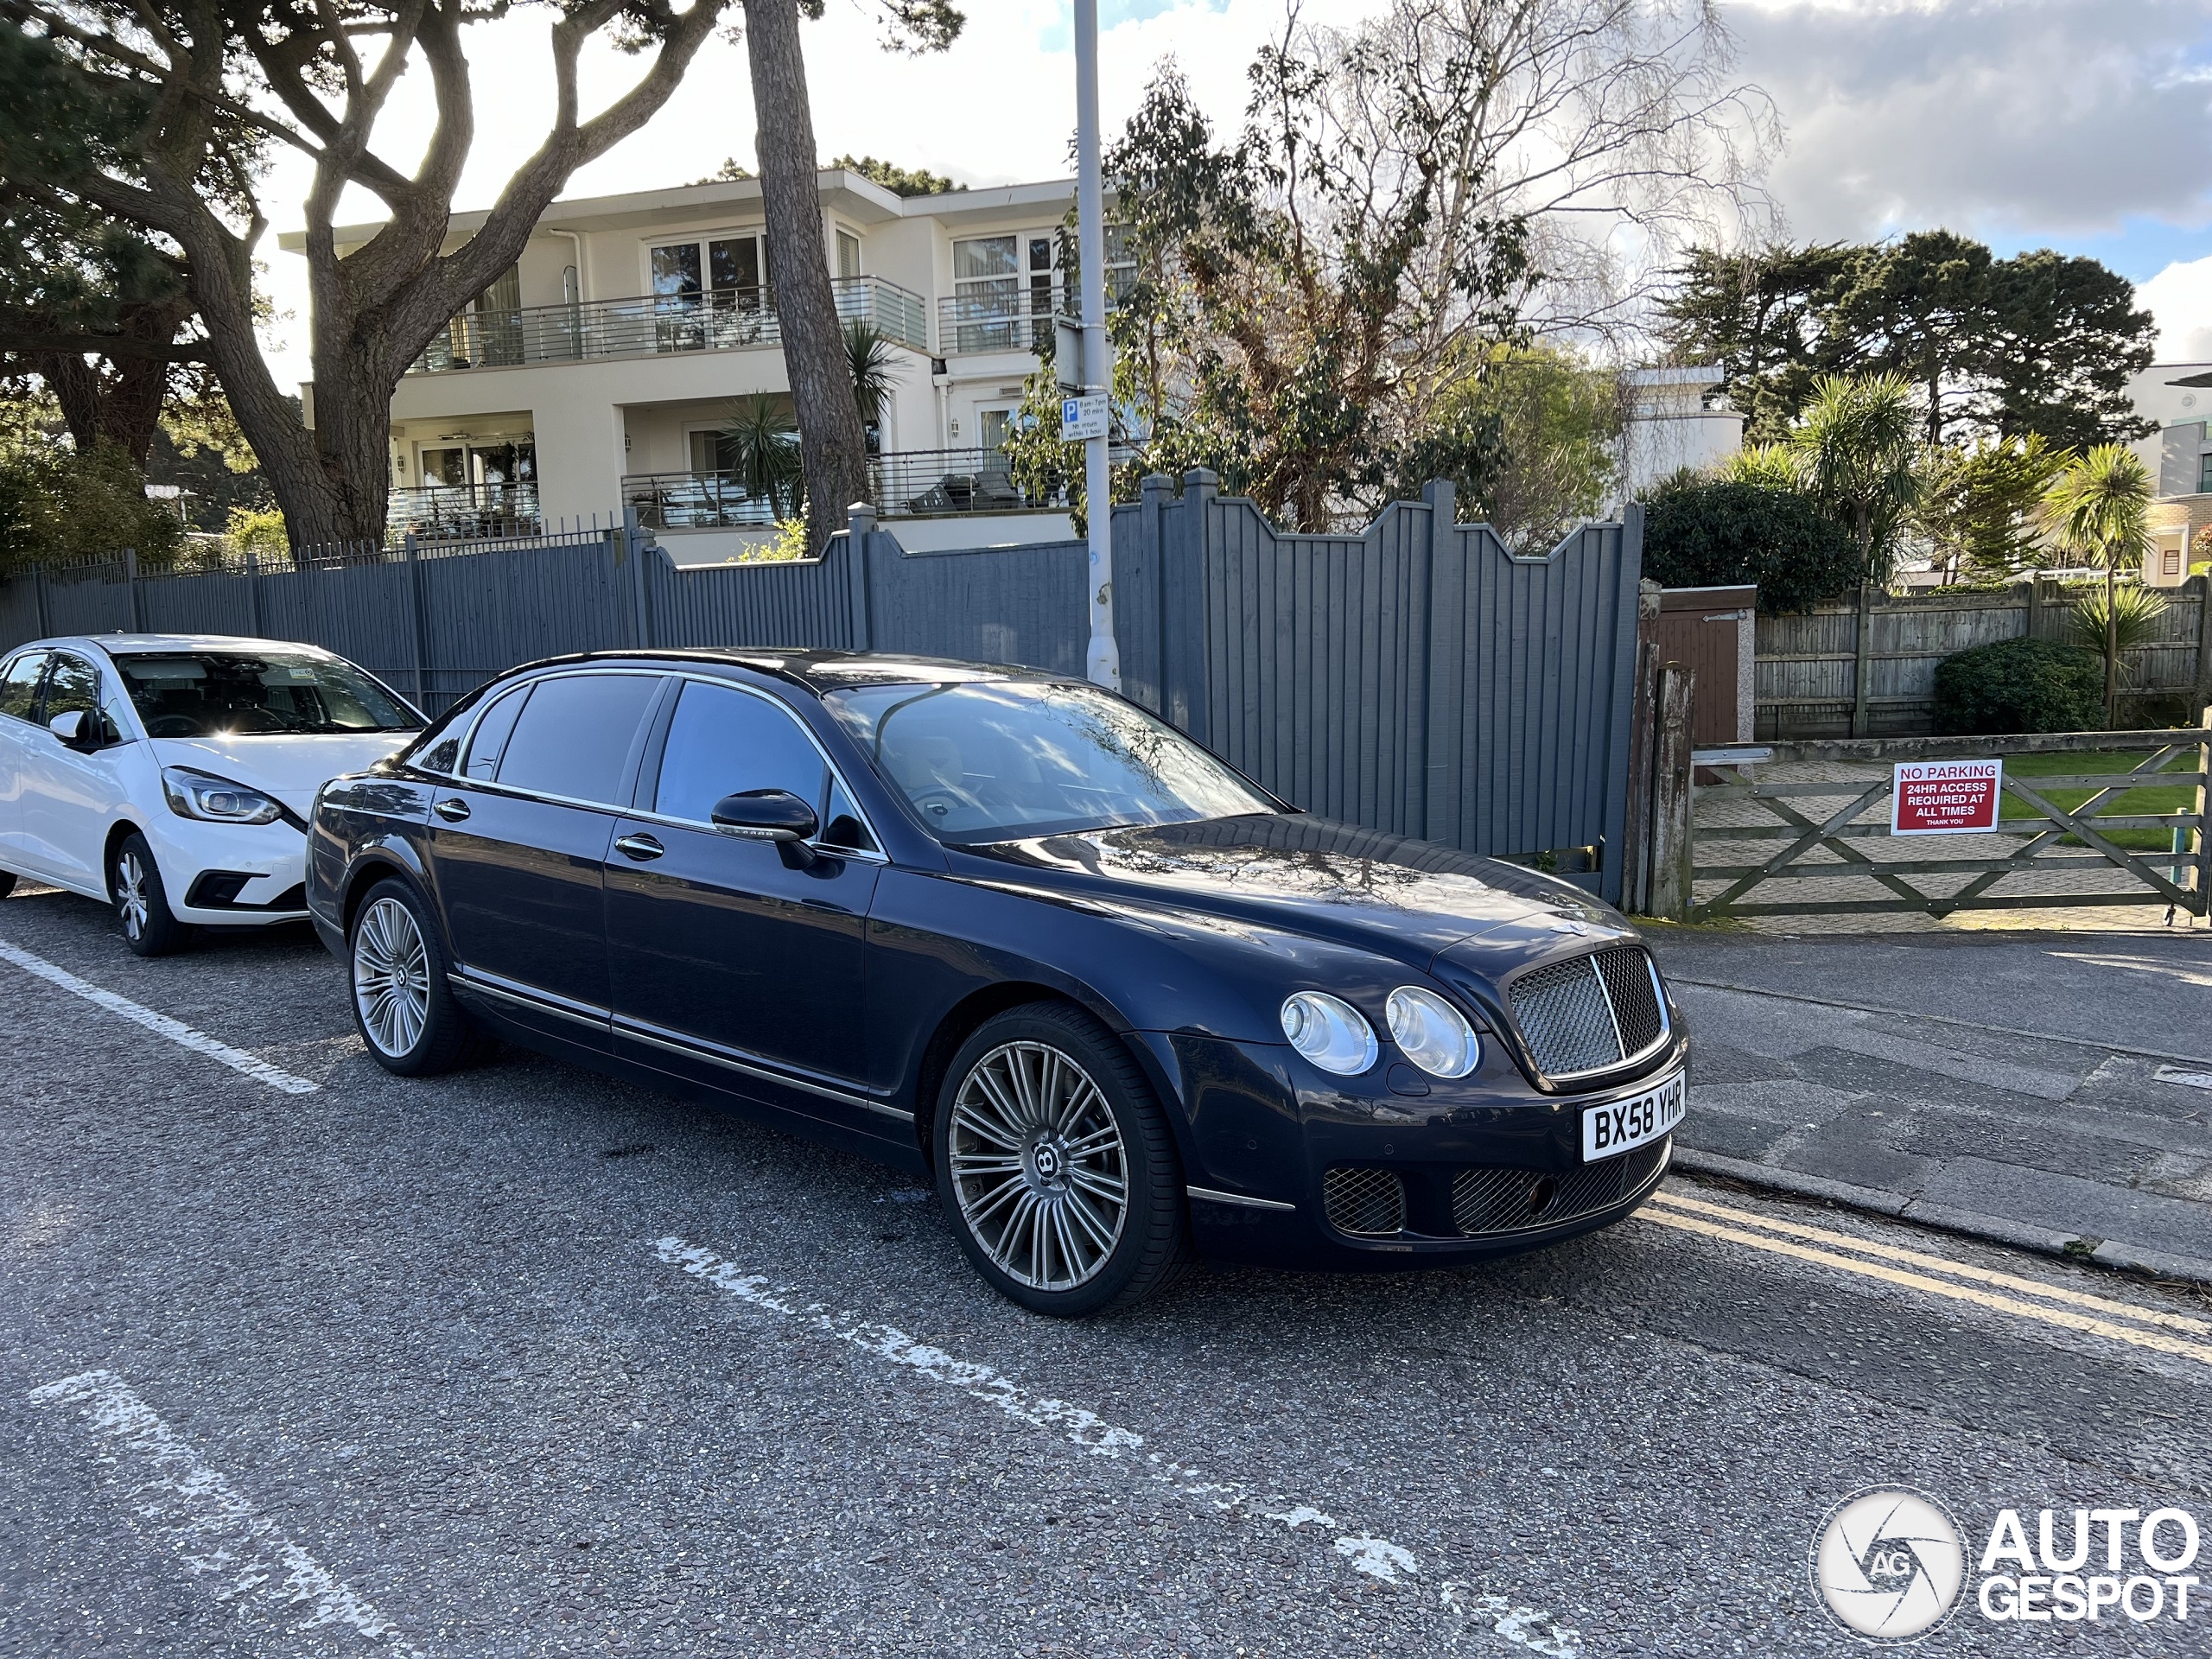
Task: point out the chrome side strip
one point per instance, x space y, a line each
1216 1196
748 1065
527 996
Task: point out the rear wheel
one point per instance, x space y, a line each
404 1005
1057 1165
141 903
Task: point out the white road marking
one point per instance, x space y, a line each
2187 1079
1377 1558
175 1030
216 1531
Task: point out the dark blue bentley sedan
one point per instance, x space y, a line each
1011 931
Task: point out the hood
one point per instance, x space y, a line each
290 768
1410 900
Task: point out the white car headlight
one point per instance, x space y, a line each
1329 1032
1433 1035
218 800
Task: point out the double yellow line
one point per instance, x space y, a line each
2001 1292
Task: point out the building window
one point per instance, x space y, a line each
849 255
2204 474
713 451
733 271
987 289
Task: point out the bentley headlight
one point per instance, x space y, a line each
1329 1032
1433 1035
202 795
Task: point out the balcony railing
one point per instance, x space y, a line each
1013 320
724 320
442 511
695 501
905 483
919 483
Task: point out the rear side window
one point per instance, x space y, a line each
722 742
575 735
19 687
490 741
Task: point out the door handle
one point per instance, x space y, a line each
452 811
640 848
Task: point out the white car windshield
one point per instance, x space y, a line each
256 694
997 760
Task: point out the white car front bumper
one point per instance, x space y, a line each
195 857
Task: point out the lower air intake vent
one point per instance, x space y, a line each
1364 1201
1485 1201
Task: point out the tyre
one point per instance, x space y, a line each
403 1004
141 903
1056 1166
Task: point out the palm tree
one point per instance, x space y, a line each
2099 508
1855 446
872 362
765 443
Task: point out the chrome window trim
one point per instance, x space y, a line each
1216 1196
752 1066
875 855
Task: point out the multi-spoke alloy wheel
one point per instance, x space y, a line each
392 977
142 903
1056 1164
401 999
130 894
1038 1165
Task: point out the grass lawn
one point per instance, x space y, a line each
2175 798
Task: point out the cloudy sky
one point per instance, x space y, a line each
2081 124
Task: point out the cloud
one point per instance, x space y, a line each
2180 297
2049 118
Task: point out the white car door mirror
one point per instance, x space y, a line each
74 728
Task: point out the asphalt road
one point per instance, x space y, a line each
522 1362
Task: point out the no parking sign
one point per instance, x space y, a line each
1945 797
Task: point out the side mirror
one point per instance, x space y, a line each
75 729
766 815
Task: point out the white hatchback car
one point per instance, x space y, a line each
172 775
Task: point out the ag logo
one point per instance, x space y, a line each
1888 1563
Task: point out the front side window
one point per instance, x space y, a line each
256 694
19 686
723 741
73 685
994 760
574 737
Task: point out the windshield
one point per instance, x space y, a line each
997 760
256 694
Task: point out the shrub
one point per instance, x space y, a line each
2020 685
261 533
1706 533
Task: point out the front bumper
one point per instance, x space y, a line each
230 874
1478 1168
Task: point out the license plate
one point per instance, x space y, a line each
1623 1125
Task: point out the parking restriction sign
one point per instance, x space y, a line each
1945 797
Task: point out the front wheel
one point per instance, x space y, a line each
1057 1165
141 903
403 1003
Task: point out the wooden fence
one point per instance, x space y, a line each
1867 668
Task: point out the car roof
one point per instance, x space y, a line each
129 644
824 671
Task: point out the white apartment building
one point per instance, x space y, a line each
2178 397
602 369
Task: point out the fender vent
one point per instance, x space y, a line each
1367 1202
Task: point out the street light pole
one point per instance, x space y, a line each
1102 662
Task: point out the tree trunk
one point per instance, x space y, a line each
1866 522
832 445
118 399
2112 649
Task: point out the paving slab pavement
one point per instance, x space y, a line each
2046 1090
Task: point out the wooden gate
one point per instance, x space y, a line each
1833 851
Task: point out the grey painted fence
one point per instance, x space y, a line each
1417 677
1811 666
